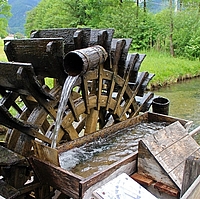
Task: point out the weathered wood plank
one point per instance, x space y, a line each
8 191
191 171
126 165
194 190
9 158
166 189
142 179
149 166
181 150
162 155
64 181
165 138
45 153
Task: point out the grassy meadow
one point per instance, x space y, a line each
2 54
167 70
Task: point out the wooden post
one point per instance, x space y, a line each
191 172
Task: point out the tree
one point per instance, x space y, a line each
4 16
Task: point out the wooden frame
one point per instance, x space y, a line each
78 187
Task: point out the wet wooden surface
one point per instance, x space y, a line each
162 155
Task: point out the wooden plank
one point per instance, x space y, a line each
9 158
166 189
165 138
156 152
142 179
194 190
91 122
45 153
191 171
126 165
63 180
39 54
8 191
181 150
150 167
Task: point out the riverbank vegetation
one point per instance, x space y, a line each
168 70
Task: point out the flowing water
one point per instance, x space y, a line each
98 155
184 101
66 91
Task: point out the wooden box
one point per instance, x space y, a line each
78 187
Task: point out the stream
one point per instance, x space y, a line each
184 100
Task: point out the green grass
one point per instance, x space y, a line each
2 53
167 69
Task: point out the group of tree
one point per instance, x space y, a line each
4 16
175 29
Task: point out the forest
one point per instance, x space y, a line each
175 29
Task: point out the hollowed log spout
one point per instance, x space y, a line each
77 62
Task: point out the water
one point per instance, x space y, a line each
98 155
184 101
66 91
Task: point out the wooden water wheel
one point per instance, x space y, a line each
110 92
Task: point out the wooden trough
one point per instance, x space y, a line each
76 186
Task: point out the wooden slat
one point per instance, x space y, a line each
142 179
166 189
46 153
193 191
165 137
183 148
91 122
7 191
167 150
64 181
9 158
73 109
100 82
73 134
85 93
191 171
129 162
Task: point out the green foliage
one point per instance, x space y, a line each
168 69
129 21
2 53
4 16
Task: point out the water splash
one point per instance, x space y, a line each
67 88
97 155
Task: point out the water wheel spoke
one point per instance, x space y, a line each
111 89
91 122
81 123
145 99
85 92
73 109
73 134
100 82
138 85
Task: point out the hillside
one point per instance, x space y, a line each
19 9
